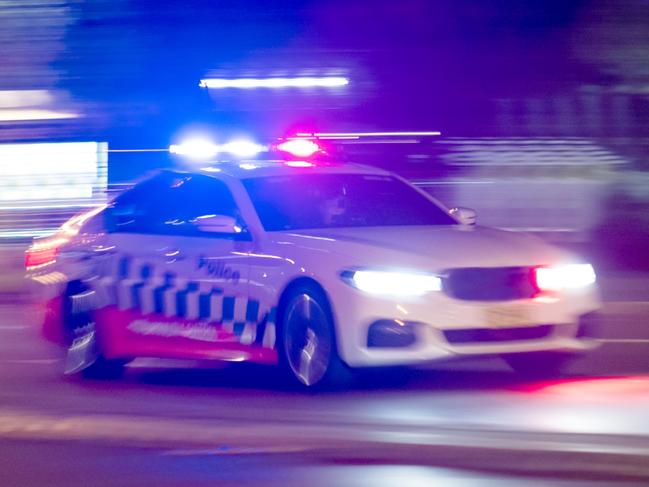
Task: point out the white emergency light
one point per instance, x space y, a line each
202 149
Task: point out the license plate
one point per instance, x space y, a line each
507 317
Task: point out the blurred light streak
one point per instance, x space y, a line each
71 227
51 170
598 388
298 82
18 115
24 98
624 340
402 141
49 158
370 134
138 150
27 233
26 105
50 207
339 138
43 183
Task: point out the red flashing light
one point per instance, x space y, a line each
299 147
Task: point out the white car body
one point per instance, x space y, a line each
126 281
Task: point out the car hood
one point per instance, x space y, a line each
431 247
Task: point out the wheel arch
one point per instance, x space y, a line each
72 287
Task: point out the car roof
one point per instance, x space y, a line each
262 169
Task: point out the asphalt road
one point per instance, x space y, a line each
468 423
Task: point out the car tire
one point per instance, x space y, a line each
307 346
538 365
83 354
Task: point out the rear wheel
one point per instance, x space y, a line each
307 345
83 354
539 364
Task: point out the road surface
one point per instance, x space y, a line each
468 423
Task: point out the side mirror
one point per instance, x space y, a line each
218 224
466 216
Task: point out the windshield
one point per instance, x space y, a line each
340 200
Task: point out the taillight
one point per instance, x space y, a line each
42 253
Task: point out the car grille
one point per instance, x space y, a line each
482 335
490 284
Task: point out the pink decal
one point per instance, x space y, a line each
129 333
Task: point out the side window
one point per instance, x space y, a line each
172 205
144 207
203 196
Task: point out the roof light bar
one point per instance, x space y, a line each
195 149
205 149
299 147
299 82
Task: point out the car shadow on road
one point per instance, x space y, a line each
258 378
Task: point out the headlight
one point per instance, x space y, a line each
390 283
573 276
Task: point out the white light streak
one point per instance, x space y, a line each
275 83
368 134
27 114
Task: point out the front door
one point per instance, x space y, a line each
176 291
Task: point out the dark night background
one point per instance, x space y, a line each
466 68
551 69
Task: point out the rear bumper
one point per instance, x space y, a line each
45 292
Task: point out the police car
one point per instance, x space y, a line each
317 267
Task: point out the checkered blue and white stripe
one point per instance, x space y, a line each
131 284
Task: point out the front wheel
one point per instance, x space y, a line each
307 345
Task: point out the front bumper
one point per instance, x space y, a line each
373 332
